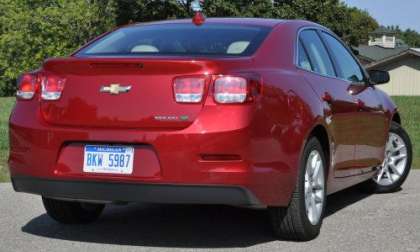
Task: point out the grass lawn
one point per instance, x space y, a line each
409 109
6 105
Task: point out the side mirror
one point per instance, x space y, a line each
378 77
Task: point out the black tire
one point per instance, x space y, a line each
71 212
292 222
372 186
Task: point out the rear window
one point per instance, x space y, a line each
180 39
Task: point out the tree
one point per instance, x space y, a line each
33 30
351 24
409 36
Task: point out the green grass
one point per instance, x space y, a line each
409 108
6 105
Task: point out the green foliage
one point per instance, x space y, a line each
410 37
352 24
33 30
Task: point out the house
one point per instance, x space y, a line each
385 51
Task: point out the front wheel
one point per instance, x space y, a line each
397 163
302 219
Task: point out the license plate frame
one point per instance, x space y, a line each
108 159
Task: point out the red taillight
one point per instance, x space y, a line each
229 89
27 86
189 89
52 87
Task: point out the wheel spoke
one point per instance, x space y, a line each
394 169
388 174
314 186
398 148
399 157
395 161
318 186
380 173
316 169
318 199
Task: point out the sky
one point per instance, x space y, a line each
405 13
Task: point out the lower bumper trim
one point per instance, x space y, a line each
136 192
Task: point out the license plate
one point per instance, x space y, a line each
108 159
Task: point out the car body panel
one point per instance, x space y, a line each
267 136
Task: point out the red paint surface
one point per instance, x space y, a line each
268 132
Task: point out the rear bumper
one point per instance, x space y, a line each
265 167
135 192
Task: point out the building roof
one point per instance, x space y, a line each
402 54
377 53
382 30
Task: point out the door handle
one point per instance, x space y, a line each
327 98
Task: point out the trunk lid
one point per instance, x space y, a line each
149 103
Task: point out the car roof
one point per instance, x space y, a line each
239 21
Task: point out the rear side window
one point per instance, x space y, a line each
348 68
317 53
180 39
304 61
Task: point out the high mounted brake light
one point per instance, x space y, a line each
199 17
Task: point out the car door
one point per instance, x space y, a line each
370 129
319 71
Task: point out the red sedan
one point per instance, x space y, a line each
272 114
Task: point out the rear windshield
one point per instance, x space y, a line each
179 39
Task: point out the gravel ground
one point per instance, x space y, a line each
354 222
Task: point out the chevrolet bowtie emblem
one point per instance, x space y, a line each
115 89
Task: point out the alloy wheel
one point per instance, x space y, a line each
395 161
314 187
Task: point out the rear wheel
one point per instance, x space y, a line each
302 219
397 163
71 212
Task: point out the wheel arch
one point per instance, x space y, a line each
321 133
396 118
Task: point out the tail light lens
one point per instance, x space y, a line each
189 89
230 89
52 87
27 86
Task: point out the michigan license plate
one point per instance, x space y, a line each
108 159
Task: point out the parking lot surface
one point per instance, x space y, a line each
355 222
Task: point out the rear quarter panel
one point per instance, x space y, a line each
287 112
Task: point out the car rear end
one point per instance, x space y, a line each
156 113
